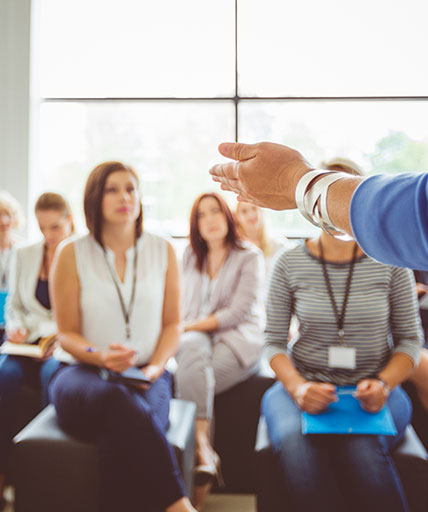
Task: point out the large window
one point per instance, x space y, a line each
160 84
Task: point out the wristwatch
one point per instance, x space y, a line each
386 387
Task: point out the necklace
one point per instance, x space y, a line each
212 271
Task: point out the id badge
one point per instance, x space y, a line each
342 357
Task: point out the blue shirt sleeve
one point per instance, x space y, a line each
389 218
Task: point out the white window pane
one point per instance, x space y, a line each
380 136
170 144
333 48
133 48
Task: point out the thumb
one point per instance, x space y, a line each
237 150
328 387
364 385
116 346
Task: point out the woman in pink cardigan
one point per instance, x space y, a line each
223 315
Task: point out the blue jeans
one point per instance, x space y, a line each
14 372
336 472
138 469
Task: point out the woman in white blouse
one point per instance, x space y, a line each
29 316
116 297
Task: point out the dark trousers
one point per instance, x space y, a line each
138 469
336 472
15 371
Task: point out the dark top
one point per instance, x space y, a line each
42 293
421 276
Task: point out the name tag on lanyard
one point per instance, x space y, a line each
342 357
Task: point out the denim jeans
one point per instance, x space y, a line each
138 468
336 472
14 372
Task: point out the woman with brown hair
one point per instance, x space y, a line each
223 320
116 297
29 315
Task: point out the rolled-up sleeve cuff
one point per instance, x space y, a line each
413 352
224 319
271 351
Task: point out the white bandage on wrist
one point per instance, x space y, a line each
312 200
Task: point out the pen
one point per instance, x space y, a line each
95 350
346 392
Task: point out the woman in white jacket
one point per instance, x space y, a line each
29 316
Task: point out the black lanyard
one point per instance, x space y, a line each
126 312
340 319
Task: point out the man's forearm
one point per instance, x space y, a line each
339 201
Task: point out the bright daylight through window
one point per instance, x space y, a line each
160 84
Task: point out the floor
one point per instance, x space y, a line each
215 503
230 503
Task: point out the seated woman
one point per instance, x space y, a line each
29 316
421 278
251 227
10 220
344 301
116 298
223 320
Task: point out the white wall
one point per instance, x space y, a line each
15 18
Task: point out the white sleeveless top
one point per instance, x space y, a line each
102 320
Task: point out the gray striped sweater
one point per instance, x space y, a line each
382 316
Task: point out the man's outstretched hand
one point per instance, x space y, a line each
265 173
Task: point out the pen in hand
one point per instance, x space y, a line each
117 358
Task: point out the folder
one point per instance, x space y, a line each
3 295
346 416
131 377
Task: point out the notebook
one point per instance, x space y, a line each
38 350
3 295
132 376
346 416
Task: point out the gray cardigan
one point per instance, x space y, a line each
236 300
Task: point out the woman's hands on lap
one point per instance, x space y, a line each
372 394
153 371
314 397
119 358
17 336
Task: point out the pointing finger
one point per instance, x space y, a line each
227 170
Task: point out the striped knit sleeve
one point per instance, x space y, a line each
278 309
405 321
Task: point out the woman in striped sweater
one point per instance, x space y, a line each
358 325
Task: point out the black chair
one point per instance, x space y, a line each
420 414
237 413
410 458
51 471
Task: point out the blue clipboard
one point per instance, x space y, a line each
346 416
3 295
